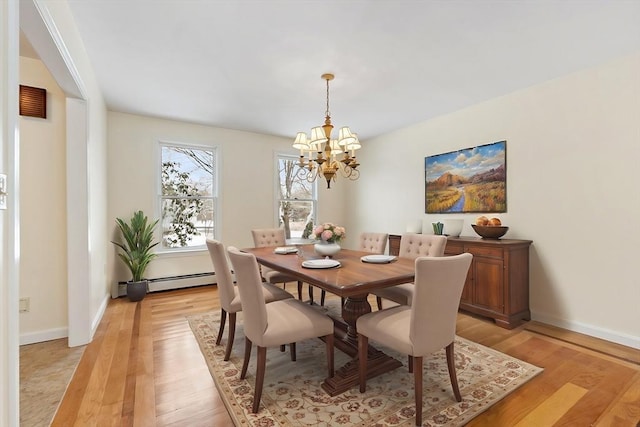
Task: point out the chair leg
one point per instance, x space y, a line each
247 356
299 290
310 295
417 375
231 337
262 362
223 320
363 346
283 348
328 339
410 364
379 301
451 364
292 348
322 295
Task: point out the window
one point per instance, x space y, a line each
188 196
296 201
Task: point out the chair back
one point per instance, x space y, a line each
223 273
268 237
249 285
419 245
438 287
373 242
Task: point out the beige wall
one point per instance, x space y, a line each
247 186
573 146
43 237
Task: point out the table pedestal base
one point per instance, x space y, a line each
347 376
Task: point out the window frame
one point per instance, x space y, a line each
277 194
215 197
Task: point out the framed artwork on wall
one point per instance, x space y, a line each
469 180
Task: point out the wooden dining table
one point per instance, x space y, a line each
353 280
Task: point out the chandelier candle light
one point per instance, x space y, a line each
326 150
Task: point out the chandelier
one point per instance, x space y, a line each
327 157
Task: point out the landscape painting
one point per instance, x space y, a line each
469 180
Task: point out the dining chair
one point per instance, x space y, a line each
276 237
376 243
230 301
411 246
427 325
274 324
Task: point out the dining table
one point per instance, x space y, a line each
352 280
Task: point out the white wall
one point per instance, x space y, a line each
247 171
9 218
573 146
43 239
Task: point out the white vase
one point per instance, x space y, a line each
327 249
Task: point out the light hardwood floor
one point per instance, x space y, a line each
144 368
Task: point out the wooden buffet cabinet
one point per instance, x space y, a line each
497 284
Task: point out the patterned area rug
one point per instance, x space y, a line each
292 395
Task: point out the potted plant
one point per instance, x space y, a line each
137 236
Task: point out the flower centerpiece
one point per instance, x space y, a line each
329 235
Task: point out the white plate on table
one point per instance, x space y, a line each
378 259
284 250
321 263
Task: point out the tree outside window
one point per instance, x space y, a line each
296 199
188 196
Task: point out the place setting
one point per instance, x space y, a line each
378 259
321 263
286 250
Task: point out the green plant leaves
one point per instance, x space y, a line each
137 243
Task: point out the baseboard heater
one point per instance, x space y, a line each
174 282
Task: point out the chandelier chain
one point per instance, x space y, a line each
327 112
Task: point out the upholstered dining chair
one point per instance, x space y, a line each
412 246
426 326
276 237
375 243
274 324
228 293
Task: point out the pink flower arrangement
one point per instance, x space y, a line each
329 232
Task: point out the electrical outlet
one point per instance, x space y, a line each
24 305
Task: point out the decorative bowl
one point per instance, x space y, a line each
489 232
452 227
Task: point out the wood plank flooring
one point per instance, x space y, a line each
144 368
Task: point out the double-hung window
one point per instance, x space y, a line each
188 196
296 199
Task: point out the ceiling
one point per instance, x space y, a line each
256 65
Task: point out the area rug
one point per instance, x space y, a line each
46 369
292 395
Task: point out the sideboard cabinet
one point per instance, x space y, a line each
497 284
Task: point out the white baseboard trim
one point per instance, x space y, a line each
41 336
173 282
57 333
594 331
98 317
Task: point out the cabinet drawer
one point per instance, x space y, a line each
484 251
